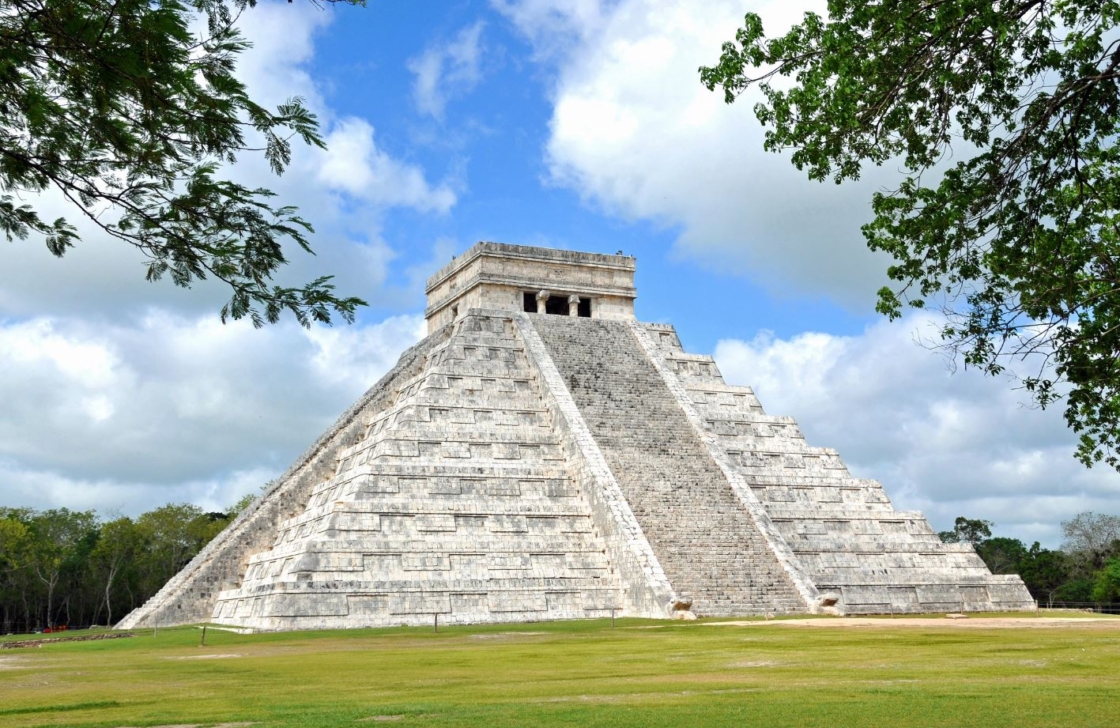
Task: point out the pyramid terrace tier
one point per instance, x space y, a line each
379 604
390 572
457 579
991 593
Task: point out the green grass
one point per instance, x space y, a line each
639 673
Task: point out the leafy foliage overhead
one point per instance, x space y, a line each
128 108
1004 116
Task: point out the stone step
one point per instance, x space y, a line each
904 577
513 504
826 512
570 546
419 470
784 479
807 547
857 536
425 582
718 415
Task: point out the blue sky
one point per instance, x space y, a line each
490 138
577 124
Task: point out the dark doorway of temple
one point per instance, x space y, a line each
556 305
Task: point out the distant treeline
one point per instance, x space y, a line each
1086 569
62 567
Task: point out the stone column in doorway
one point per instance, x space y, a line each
573 305
542 301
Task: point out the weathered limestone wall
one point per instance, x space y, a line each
708 544
190 595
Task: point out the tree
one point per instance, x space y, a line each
128 108
1075 590
169 535
172 535
116 548
1002 555
1044 572
968 530
1004 118
62 566
242 503
56 536
15 549
1090 539
1106 586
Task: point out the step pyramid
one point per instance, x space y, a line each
544 455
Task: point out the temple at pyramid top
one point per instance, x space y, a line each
534 280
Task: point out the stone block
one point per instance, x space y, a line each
426 603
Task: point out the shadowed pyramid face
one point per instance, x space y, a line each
561 463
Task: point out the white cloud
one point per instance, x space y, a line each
283 37
171 408
36 344
357 358
633 131
355 165
45 489
446 70
553 26
948 444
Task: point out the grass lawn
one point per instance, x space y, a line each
639 673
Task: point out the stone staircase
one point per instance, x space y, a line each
703 537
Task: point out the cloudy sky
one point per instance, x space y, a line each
568 123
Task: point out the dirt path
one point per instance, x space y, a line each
965 623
